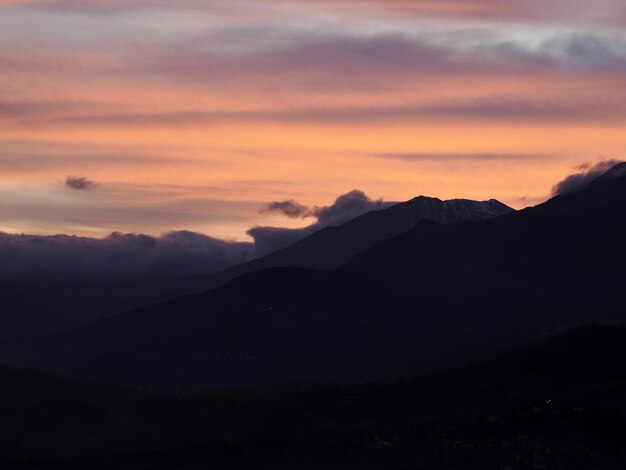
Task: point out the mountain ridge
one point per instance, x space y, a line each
331 247
40 308
439 295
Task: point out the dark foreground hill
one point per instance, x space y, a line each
28 308
560 405
438 296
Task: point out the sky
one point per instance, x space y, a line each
153 116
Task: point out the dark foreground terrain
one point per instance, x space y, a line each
560 405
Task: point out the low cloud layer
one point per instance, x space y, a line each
125 257
587 172
119 257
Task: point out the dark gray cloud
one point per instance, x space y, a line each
587 172
346 207
80 183
290 208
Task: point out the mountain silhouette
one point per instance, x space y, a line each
47 307
331 247
436 296
579 228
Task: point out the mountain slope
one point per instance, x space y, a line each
578 237
437 296
331 247
39 308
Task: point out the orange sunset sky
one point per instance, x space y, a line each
194 114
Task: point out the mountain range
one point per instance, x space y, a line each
331 247
46 307
436 296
